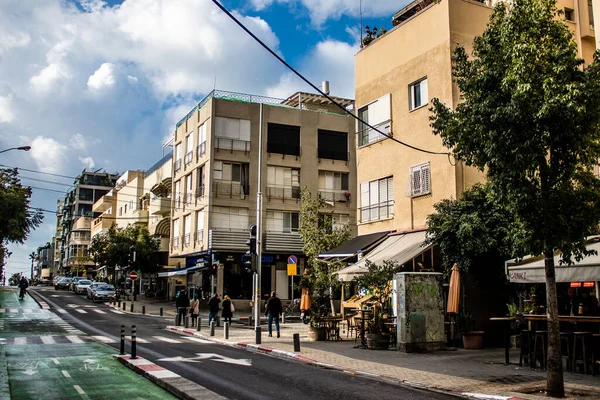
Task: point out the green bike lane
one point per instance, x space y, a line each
42 357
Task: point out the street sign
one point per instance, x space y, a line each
292 270
292 260
133 276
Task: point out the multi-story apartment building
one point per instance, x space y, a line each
45 261
77 218
306 141
58 240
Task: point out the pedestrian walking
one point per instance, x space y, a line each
182 302
228 309
213 308
195 308
273 311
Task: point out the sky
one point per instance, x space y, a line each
100 84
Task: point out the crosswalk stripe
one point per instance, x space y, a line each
139 340
28 311
81 311
193 339
12 310
60 310
21 340
75 339
99 311
117 312
48 339
164 339
1 310
103 339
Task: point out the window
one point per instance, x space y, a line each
125 209
199 226
120 211
229 218
189 148
283 222
189 189
187 230
283 139
86 194
177 194
201 181
378 115
201 140
283 183
178 157
333 145
175 234
232 134
591 13
418 95
420 178
333 186
333 221
231 178
569 14
377 199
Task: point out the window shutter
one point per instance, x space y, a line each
416 181
383 191
425 179
424 92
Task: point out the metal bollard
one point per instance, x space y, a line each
124 306
296 342
218 320
122 350
131 307
212 328
258 335
135 297
133 342
161 311
226 330
187 321
119 304
198 324
283 318
143 309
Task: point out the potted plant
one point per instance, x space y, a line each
472 339
377 282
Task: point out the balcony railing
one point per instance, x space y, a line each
160 206
232 144
283 193
200 192
335 196
189 156
189 198
227 189
201 150
377 211
176 243
186 240
199 236
367 136
177 165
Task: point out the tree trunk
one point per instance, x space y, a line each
554 374
331 300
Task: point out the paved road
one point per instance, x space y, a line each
230 372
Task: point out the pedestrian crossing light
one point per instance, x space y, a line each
251 242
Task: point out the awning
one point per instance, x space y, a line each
531 269
179 272
354 246
400 248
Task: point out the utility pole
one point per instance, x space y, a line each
259 229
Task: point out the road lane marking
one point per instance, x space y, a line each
103 339
139 340
20 340
48 339
74 339
60 310
164 339
55 360
203 341
66 374
99 311
117 312
81 311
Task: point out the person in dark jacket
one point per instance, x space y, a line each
213 307
274 309
227 312
182 302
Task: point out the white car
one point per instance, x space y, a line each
82 285
91 288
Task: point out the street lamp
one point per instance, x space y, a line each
24 148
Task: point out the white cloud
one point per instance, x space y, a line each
259 5
132 79
88 162
45 80
9 40
6 113
103 77
48 154
78 142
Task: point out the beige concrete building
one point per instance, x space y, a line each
58 239
396 77
306 141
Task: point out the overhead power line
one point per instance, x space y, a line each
274 54
40 172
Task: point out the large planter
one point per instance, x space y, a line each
378 341
317 334
473 340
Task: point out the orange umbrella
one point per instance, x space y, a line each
454 293
305 300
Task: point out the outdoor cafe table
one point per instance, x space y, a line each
534 318
331 324
506 321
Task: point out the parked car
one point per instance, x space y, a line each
74 282
104 292
82 285
63 283
90 289
56 279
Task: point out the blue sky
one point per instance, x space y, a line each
100 84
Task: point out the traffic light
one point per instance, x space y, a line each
251 242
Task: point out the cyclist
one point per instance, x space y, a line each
23 284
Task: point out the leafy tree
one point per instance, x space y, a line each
318 237
17 219
14 279
530 118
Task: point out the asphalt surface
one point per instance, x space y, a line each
230 372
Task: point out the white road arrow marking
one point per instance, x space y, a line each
219 358
29 372
178 358
90 361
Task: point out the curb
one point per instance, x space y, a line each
287 355
134 313
173 383
43 305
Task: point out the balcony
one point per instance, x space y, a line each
189 156
141 216
200 192
200 150
232 144
228 189
283 193
368 135
186 240
199 237
377 212
176 243
227 239
177 165
334 197
283 242
160 206
103 204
